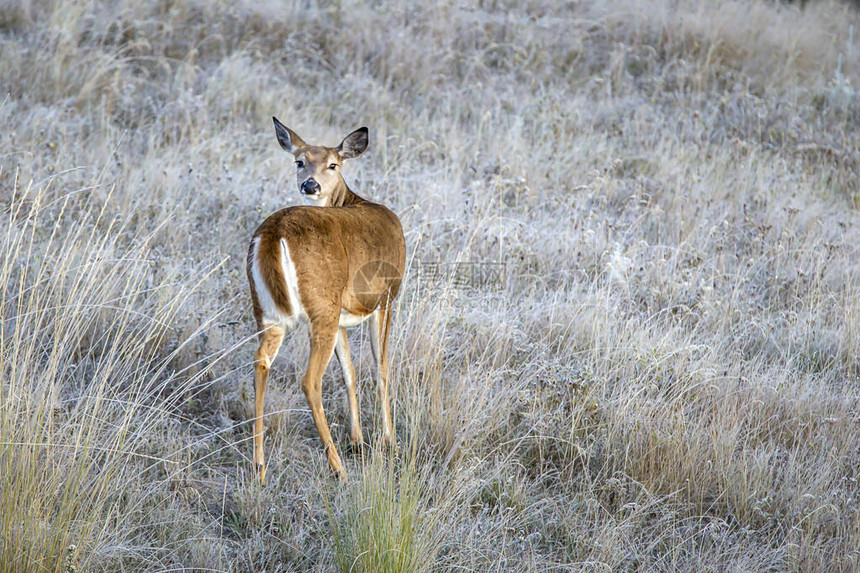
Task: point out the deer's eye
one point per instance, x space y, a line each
300 164
333 166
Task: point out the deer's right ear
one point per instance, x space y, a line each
288 138
353 144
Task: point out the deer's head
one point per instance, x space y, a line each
318 168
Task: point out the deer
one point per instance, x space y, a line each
332 264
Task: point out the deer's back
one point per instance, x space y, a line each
325 249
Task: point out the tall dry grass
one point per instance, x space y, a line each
665 379
84 359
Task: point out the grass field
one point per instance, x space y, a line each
663 374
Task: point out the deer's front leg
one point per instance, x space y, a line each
322 345
270 342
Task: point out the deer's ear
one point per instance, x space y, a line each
288 138
353 144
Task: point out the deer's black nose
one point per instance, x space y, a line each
310 187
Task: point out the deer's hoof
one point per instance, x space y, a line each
356 446
261 471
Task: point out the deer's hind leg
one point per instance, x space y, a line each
270 342
380 321
323 335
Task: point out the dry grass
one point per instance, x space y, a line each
666 379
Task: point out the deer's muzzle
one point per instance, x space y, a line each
310 187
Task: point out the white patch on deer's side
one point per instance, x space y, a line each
271 313
292 281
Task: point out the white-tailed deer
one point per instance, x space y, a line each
334 264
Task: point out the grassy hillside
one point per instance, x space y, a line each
664 377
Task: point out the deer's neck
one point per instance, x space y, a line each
343 195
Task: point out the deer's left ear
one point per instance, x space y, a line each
289 139
353 144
